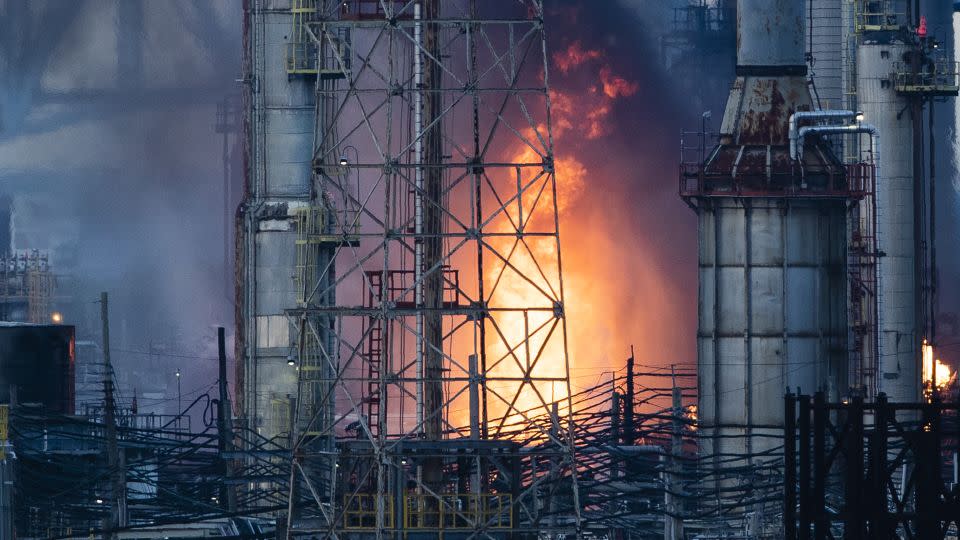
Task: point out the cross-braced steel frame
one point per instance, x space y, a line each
431 311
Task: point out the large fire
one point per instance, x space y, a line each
582 114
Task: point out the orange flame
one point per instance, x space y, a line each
692 416
581 115
590 110
574 56
935 372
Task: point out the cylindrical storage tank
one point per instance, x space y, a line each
772 316
770 35
899 374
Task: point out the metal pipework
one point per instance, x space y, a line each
796 117
797 154
832 130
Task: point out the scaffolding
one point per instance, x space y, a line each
304 57
878 15
27 287
431 316
937 77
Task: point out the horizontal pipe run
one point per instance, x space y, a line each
820 115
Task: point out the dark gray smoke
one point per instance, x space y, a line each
109 149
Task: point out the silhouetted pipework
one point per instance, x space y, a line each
869 470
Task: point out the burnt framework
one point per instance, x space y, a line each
869 470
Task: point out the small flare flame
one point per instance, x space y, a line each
935 373
692 417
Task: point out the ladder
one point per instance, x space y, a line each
373 354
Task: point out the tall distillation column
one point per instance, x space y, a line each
772 256
877 55
284 217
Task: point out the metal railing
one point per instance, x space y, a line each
937 76
301 51
360 512
358 10
877 15
458 511
855 182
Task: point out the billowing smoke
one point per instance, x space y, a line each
629 242
109 148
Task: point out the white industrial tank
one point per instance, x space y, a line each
877 59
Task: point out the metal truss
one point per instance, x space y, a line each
431 315
869 470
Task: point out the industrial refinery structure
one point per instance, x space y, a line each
402 367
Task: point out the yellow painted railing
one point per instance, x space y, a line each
360 512
458 511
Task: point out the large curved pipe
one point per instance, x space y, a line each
796 117
802 133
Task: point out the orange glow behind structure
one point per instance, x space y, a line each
596 331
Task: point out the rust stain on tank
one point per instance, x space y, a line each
768 108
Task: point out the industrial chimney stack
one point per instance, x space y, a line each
772 231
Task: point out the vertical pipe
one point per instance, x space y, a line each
673 529
820 525
433 260
292 507
804 439
614 436
474 398
477 173
854 526
6 508
478 473
629 434
225 424
932 300
418 202
790 467
919 234
879 471
432 240
117 474
931 493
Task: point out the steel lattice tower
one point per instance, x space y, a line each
429 331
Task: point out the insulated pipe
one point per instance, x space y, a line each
796 117
875 148
418 204
798 142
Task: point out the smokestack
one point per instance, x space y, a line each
753 156
770 38
772 259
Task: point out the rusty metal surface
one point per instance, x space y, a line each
765 109
753 154
851 182
770 33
